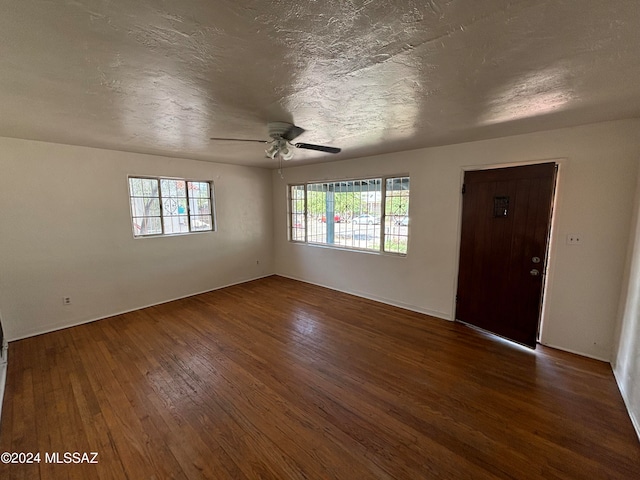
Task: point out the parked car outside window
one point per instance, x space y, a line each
366 220
336 218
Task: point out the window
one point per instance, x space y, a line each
168 206
298 207
368 214
396 215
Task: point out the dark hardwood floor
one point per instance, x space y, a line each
284 380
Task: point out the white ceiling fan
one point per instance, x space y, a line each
282 135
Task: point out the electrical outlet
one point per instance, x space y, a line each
66 300
574 239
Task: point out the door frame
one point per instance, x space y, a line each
555 204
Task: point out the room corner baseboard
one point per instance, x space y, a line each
575 352
3 375
375 298
634 420
54 328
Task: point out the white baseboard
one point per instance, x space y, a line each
53 328
375 298
575 352
634 420
3 374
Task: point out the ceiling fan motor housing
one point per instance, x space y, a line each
279 129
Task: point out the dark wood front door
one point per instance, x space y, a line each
506 216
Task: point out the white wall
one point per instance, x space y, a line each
626 362
65 230
595 195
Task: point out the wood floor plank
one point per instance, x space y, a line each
361 433
280 379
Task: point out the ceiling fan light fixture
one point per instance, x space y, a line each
285 151
281 145
272 151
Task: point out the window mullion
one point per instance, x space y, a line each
306 215
290 210
159 182
383 208
186 184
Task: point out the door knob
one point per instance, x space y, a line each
534 272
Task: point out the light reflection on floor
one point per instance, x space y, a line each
305 324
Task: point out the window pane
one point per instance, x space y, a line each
146 226
316 200
173 188
149 187
396 219
145 206
362 198
297 210
135 187
199 190
174 205
201 223
200 206
345 213
175 224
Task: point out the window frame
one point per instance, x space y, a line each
162 217
291 225
383 215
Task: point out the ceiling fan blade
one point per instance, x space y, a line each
320 148
293 132
238 139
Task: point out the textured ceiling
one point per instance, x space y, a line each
368 76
